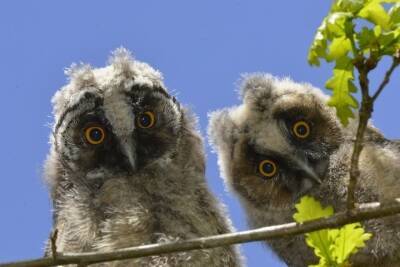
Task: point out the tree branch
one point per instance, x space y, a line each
395 63
363 212
364 115
367 103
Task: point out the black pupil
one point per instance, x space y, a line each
268 168
145 120
301 130
96 135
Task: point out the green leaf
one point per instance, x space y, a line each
333 247
333 26
317 49
352 6
350 238
366 39
394 14
390 42
322 244
388 38
310 209
337 23
338 48
374 12
342 86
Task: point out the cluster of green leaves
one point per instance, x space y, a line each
333 247
338 40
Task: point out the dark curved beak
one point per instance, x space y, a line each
311 171
128 148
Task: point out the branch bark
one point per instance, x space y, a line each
367 104
363 212
386 79
364 115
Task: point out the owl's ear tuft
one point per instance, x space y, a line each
255 85
122 60
142 73
222 131
80 75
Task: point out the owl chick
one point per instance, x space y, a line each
284 142
126 167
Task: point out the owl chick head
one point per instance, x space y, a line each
275 146
119 118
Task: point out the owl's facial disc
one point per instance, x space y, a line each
118 132
269 178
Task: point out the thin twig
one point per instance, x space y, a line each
395 63
364 212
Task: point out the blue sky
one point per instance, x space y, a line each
202 47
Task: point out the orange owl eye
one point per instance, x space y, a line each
267 168
146 120
301 129
95 135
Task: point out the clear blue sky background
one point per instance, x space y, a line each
202 47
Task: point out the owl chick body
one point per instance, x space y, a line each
126 168
284 142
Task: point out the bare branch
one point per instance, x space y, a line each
395 63
365 113
363 212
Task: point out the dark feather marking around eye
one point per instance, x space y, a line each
143 88
294 113
256 156
260 105
87 97
133 94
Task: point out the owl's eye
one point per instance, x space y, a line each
95 135
267 168
301 129
146 120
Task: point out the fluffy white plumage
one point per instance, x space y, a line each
126 167
284 142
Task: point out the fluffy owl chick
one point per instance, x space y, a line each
126 167
284 142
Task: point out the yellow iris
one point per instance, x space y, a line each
301 129
146 120
267 168
95 135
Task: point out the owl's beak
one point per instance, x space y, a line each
129 151
308 170
311 173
